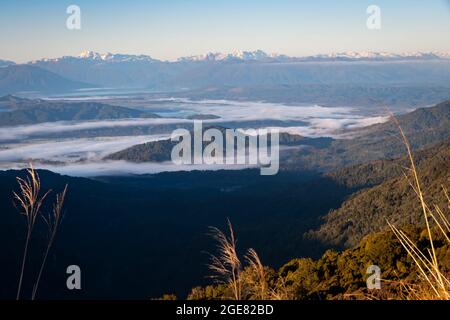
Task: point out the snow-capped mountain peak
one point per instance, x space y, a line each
257 55
373 55
95 55
113 57
261 56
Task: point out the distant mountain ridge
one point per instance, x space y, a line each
160 151
261 56
257 55
251 69
100 57
21 111
257 75
19 77
4 63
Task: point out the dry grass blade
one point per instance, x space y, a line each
259 286
438 284
226 265
30 203
53 221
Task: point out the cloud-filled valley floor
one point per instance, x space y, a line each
78 147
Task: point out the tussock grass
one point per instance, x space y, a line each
245 281
29 201
258 286
227 265
53 221
434 285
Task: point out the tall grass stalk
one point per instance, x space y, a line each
427 263
226 265
30 203
53 221
258 286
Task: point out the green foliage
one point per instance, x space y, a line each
366 211
339 275
212 292
159 151
361 225
336 274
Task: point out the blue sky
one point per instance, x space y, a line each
173 28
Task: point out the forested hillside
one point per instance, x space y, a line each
367 210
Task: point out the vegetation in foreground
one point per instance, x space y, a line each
414 262
29 202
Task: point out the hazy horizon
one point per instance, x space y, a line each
78 54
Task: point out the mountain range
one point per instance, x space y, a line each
240 71
257 55
160 151
22 78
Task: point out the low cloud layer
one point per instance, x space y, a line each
22 132
228 111
72 150
109 168
82 157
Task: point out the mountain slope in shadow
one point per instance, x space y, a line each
20 77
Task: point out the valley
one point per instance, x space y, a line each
150 220
138 225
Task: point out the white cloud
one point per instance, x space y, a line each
20 132
82 157
104 168
71 150
228 111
